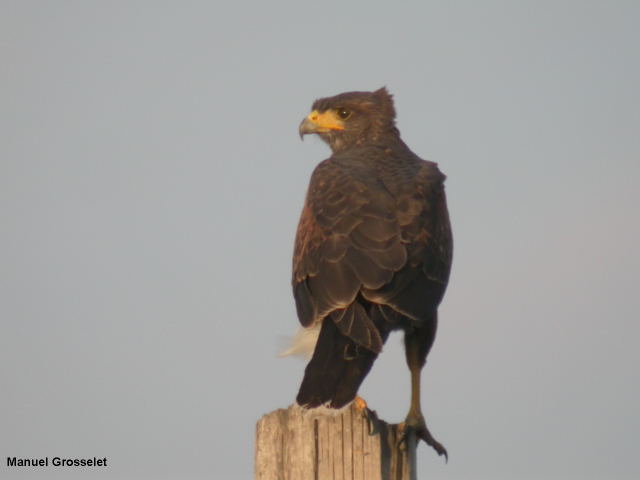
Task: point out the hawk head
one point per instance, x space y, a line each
351 119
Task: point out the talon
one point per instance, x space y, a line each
419 428
402 438
374 422
372 417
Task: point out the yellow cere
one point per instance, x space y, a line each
326 120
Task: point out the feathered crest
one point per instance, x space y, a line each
385 100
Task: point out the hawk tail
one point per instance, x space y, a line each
337 368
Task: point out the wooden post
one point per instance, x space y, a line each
300 444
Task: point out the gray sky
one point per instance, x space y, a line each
151 179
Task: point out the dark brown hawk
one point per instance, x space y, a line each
372 253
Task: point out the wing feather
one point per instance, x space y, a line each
388 240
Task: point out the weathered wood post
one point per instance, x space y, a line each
299 444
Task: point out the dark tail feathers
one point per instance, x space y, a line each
338 366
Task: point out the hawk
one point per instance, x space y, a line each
372 252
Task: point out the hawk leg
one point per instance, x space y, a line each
418 342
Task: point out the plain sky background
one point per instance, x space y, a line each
151 178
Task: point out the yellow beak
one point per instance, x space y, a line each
317 122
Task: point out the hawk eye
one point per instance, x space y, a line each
343 113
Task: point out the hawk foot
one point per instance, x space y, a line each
415 424
373 422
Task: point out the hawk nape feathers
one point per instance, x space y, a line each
372 252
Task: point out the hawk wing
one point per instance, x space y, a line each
422 214
386 238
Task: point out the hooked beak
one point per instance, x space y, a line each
306 127
317 122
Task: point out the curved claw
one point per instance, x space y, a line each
374 421
422 433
